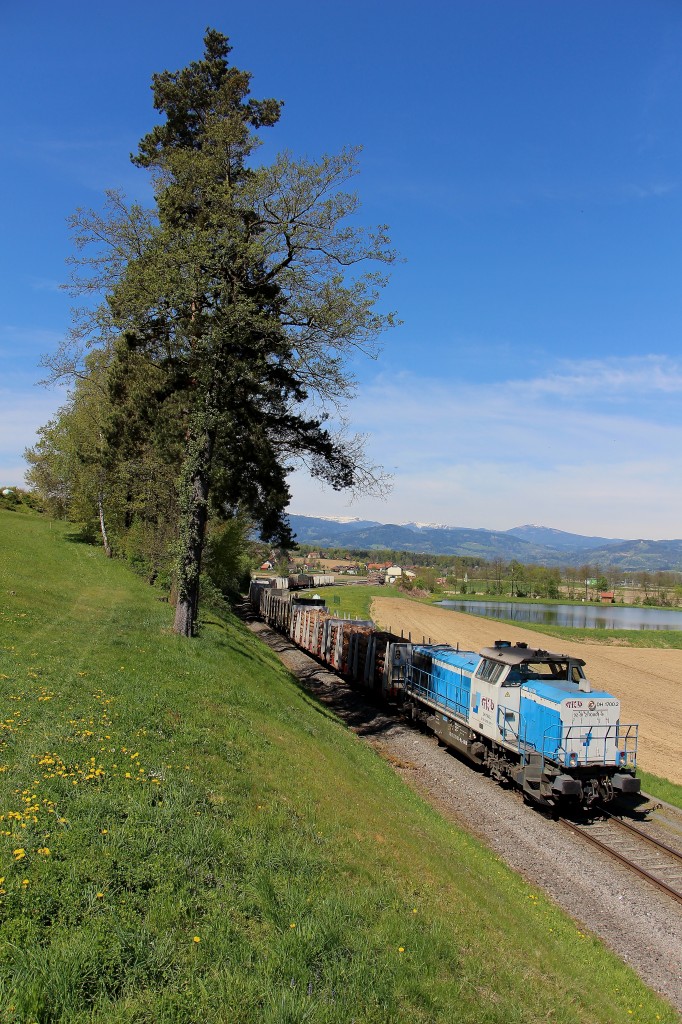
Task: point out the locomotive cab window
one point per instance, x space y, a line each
552 670
490 671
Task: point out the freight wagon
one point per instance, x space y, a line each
306 580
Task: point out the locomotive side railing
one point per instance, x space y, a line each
419 681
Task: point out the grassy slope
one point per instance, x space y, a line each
187 836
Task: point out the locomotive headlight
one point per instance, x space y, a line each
573 760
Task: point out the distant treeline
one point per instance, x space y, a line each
466 574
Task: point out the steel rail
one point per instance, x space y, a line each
674 893
640 832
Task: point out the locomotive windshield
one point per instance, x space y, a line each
489 670
549 670
539 670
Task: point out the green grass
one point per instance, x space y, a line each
353 601
661 789
155 792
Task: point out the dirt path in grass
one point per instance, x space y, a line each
648 681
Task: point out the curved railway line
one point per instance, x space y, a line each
649 857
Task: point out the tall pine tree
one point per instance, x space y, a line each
237 303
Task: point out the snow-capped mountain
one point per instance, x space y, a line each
529 544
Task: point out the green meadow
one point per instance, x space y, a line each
187 836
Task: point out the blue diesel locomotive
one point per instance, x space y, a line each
528 716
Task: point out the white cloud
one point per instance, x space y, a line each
490 455
652 190
22 413
45 284
543 450
14 337
635 377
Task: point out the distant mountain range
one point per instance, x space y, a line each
539 545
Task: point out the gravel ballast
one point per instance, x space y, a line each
634 919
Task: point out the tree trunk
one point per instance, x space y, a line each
102 525
194 517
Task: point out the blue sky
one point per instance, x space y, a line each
527 155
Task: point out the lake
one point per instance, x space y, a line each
608 616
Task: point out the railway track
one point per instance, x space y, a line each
648 856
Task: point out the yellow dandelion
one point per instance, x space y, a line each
292 925
401 949
196 939
104 831
43 851
25 881
19 853
100 895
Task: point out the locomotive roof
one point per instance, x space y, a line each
522 654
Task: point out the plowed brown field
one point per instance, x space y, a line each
648 681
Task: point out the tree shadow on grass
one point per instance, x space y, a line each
212 622
338 700
327 693
82 537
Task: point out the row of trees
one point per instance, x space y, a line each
214 338
468 574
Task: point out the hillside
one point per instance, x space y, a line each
188 837
528 544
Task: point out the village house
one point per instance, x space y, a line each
395 572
